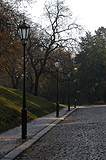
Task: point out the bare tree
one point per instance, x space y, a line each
58 31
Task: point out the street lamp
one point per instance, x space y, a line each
75 86
57 65
24 33
68 75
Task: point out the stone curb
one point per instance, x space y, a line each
15 152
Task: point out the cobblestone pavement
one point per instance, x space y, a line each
81 136
11 139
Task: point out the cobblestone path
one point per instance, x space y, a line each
81 136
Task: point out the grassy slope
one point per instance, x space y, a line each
11 105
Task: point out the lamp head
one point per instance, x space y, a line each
69 74
57 63
24 31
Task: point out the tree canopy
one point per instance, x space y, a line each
92 65
56 38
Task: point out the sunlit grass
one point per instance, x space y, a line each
11 102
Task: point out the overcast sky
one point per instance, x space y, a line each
89 13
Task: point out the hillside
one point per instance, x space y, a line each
11 105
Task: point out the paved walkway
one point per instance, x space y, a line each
11 143
81 136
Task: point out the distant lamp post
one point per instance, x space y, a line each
75 96
24 34
57 65
75 86
68 75
75 103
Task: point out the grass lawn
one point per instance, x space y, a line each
11 104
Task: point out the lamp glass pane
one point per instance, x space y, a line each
57 64
27 33
23 33
68 74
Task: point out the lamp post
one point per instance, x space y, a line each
75 86
75 92
68 75
57 65
24 33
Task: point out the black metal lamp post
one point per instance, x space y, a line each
75 86
75 101
24 33
75 94
68 75
57 65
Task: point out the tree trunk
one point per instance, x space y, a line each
105 96
63 96
13 83
36 86
90 99
31 88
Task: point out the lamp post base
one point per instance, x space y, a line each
24 123
75 103
57 110
68 108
